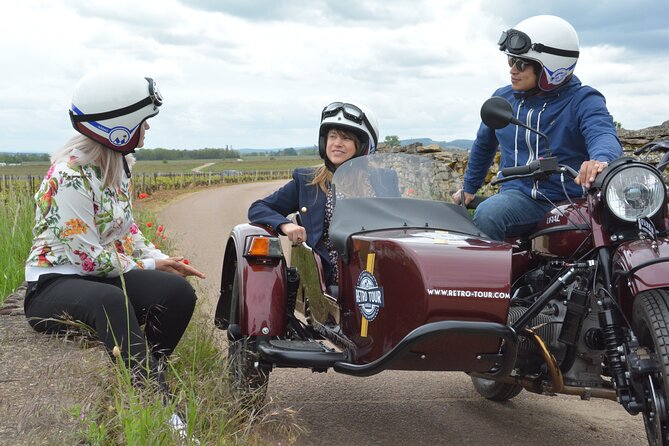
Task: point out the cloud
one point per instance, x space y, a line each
256 73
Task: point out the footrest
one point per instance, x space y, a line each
298 353
304 346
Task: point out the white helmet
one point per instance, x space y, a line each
358 119
110 107
548 40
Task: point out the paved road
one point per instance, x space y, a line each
393 408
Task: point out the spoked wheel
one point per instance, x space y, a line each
651 319
248 379
494 390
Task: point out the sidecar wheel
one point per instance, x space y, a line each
494 390
248 379
650 321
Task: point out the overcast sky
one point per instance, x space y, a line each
256 73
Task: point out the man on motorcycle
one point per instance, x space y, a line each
542 53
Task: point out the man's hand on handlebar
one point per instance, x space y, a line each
457 197
589 171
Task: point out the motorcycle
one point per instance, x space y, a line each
580 306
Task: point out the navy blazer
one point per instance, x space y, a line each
296 196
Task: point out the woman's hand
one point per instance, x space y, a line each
589 171
457 197
295 233
176 265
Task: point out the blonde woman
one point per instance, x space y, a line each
85 237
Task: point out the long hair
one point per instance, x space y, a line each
323 175
81 150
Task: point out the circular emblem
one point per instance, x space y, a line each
119 136
558 76
368 296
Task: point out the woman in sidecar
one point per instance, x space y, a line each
346 131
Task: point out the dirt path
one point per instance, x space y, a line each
198 169
393 407
43 381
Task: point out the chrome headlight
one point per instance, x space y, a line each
634 192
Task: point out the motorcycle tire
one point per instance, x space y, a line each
247 380
494 390
650 322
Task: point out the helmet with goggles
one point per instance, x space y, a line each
548 40
357 119
110 107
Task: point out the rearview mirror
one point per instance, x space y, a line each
496 112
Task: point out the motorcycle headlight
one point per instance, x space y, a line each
634 192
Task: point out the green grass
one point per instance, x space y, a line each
196 373
17 214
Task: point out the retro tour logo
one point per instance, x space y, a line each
368 295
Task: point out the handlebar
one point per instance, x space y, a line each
662 146
538 169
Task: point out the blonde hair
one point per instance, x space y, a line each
81 150
322 175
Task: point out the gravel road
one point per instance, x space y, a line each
393 407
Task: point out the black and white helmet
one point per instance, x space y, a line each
358 119
549 40
110 107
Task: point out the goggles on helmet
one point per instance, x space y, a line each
351 112
154 98
517 42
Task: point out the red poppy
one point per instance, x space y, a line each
149 224
186 261
143 195
160 228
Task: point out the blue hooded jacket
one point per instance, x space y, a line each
577 123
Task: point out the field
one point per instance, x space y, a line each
251 163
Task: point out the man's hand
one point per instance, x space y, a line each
176 265
589 171
458 195
295 233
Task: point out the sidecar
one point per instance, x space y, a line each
419 287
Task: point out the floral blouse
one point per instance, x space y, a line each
85 228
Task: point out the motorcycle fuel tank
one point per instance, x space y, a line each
563 232
396 281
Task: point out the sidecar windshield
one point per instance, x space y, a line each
394 175
395 191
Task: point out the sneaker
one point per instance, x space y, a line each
181 428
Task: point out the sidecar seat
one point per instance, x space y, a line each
359 215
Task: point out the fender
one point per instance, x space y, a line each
639 266
261 285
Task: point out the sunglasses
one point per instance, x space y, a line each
520 64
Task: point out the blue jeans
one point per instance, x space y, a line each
509 213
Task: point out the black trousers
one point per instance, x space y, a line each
160 301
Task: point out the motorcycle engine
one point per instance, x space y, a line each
584 366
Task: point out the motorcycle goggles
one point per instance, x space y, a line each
351 112
517 42
520 64
154 98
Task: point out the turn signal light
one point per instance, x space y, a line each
264 247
